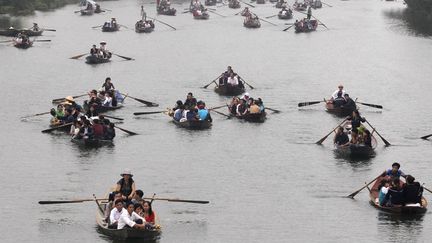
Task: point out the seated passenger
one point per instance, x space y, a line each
190 101
254 108
233 105
98 129
108 100
367 138
148 213
383 189
126 185
112 198
241 108
138 196
354 137
203 113
130 219
192 114
109 133
178 113
232 80
394 196
412 191
115 214
341 138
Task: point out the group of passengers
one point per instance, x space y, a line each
191 110
143 22
112 24
164 5
101 52
246 105
126 207
230 78
197 8
106 97
393 193
341 99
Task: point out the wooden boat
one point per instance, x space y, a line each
304 26
316 4
110 28
86 12
337 111
408 209
287 15
300 6
63 129
194 124
92 143
19 43
229 90
15 32
210 2
200 15
356 150
280 4
166 11
251 23
254 118
260 1
234 4
126 233
147 27
273 1
93 59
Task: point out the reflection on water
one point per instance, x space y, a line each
400 228
416 23
354 161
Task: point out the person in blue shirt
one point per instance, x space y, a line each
203 113
394 172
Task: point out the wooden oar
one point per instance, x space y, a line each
39 114
271 16
309 103
78 56
58 127
124 26
371 105
250 5
147 113
49 30
77 11
216 13
186 11
250 86
58 100
126 131
274 110
69 201
427 136
41 40
352 195
327 4
6 41
113 117
238 13
288 27
267 21
217 107
326 136
147 103
94 27
383 139
165 24
177 200
205 87
427 189
127 58
223 114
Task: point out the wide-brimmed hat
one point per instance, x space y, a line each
126 172
70 99
102 42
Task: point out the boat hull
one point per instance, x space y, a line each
194 125
337 111
91 59
229 90
92 143
15 32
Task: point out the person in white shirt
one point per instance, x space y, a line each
115 214
108 100
340 91
232 80
131 219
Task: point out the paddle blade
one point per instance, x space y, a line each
78 56
187 201
308 103
147 113
427 136
60 202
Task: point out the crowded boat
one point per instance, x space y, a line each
191 114
340 103
285 13
164 7
22 41
144 25
230 83
99 55
247 108
198 10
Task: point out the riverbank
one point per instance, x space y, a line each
27 7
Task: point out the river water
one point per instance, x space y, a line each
266 182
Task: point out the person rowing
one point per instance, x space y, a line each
337 98
245 12
203 113
356 120
190 101
126 185
394 172
35 27
341 138
108 85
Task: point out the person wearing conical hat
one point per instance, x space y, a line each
126 185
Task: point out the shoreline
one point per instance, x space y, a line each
30 6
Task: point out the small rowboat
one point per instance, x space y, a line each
15 32
92 143
166 11
300 7
200 15
316 4
210 2
87 12
306 26
338 111
254 118
252 23
147 27
18 43
194 124
286 15
110 28
408 209
356 150
229 90
280 4
125 233
93 59
234 4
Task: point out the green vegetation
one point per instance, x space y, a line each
24 7
421 7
